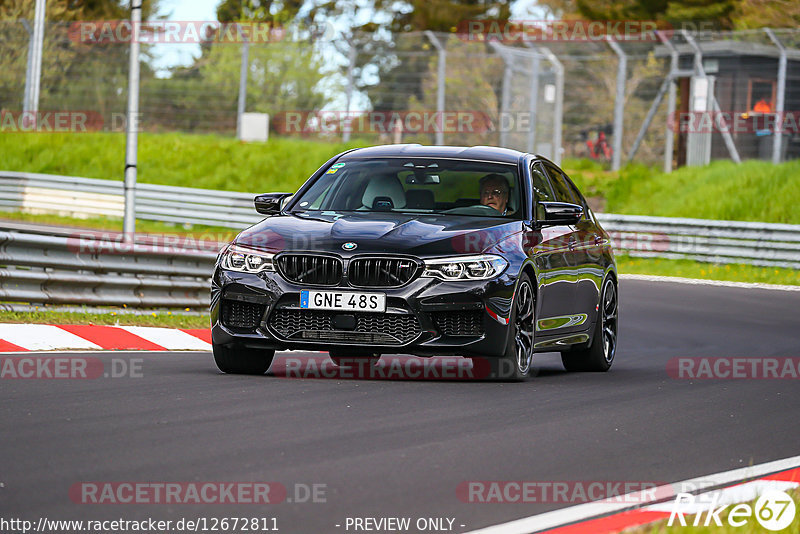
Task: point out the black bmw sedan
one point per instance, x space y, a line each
479 252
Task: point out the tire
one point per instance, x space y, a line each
238 360
516 363
599 356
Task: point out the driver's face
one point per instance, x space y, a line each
495 195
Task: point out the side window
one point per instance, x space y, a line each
566 189
542 190
577 194
564 193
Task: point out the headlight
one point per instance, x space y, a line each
465 267
245 260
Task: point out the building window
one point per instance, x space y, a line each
761 95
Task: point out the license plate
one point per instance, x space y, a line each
342 300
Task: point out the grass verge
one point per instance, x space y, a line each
708 271
752 191
188 160
112 318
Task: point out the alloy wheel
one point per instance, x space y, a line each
609 321
524 327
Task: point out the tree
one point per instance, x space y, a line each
721 13
751 14
70 10
468 85
272 11
75 76
391 48
281 77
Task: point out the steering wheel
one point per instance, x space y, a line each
475 209
485 207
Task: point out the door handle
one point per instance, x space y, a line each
572 241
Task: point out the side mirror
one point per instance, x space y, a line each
560 213
270 203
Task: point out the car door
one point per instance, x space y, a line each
551 254
584 248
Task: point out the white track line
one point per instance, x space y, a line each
700 282
582 512
43 337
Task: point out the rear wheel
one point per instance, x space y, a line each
242 360
516 364
600 355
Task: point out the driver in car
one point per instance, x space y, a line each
494 192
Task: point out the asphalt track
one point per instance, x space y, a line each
395 448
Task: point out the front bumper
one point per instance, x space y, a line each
425 317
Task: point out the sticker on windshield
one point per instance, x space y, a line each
335 167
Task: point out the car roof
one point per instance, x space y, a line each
480 153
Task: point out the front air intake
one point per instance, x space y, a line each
310 269
382 272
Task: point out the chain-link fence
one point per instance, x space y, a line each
671 97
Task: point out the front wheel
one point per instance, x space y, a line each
599 356
516 363
242 360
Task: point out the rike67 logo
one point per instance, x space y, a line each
774 510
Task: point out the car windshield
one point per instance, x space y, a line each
426 186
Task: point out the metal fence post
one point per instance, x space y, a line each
534 99
505 101
131 144
351 65
240 108
619 102
33 76
698 65
669 138
651 113
440 81
558 113
780 97
29 68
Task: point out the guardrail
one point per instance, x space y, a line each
89 197
89 268
754 243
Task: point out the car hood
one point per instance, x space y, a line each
415 234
